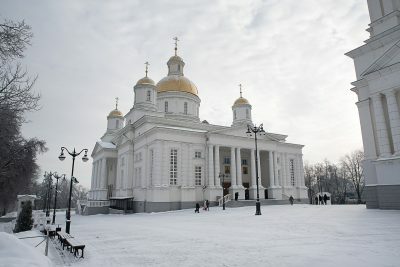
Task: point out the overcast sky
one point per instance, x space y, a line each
289 56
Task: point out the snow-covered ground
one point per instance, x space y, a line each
299 235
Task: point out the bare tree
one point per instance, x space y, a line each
352 165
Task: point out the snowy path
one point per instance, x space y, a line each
299 235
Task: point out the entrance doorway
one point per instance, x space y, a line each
246 191
226 187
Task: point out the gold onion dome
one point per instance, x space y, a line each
115 113
145 81
176 83
241 101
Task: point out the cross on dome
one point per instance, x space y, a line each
147 67
176 44
116 102
240 86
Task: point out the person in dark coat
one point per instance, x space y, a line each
207 204
320 200
291 199
197 210
325 198
316 200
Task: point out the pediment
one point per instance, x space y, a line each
390 57
100 145
240 131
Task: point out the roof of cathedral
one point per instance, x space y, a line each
177 83
115 114
241 101
145 81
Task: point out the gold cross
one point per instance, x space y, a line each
176 44
240 86
116 102
147 67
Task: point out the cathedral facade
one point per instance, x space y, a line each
377 65
160 156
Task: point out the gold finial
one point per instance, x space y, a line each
116 102
176 44
147 67
240 86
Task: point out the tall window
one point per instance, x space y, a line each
197 175
185 108
166 106
227 160
148 97
173 167
197 154
247 114
244 161
291 169
117 124
234 114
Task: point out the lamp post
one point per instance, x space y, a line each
55 195
223 175
85 158
250 131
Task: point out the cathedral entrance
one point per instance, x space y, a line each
246 191
226 186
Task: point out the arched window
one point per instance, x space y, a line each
234 114
165 106
247 114
148 98
117 124
185 108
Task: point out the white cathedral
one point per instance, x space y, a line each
160 156
377 64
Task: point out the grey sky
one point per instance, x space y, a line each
287 54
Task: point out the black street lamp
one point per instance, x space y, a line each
85 158
256 130
48 194
55 195
223 175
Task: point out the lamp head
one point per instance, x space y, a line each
62 156
85 157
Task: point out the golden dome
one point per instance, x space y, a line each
145 81
176 83
175 58
241 101
115 113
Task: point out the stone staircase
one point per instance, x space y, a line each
263 202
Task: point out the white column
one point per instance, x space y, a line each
233 168
92 180
97 175
191 167
381 130
298 170
271 169
276 168
217 166
253 168
239 167
104 173
210 165
394 118
283 169
301 170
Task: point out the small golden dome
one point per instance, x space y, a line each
241 101
176 83
175 58
115 113
145 81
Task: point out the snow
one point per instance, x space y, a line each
15 252
299 235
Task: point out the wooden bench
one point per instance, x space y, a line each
63 237
76 245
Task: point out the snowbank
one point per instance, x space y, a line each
15 252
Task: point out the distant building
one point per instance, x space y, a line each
377 65
160 156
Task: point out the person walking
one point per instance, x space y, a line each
197 210
320 200
316 200
207 205
325 199
291 199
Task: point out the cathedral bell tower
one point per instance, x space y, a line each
115 120
241 111
145 93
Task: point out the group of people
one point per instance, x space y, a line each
319 200
206 206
